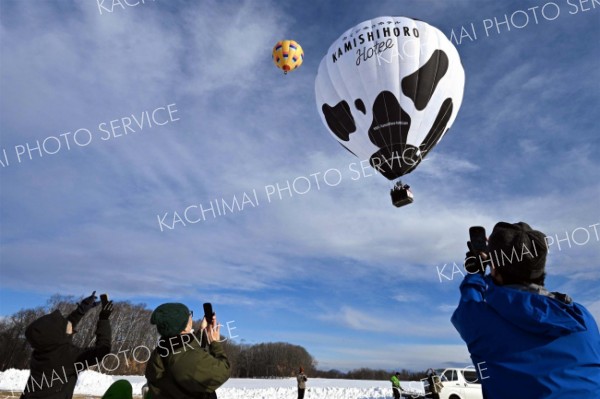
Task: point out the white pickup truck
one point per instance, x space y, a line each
459 384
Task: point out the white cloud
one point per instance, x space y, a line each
409 322
398 356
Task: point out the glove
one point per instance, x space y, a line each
473 264
106 311
87 304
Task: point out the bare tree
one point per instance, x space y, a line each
134 338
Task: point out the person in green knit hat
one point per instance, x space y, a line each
120 389
181 367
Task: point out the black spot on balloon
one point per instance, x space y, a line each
360 105
339 119
395 161
389 131
390 122
438 128
420 85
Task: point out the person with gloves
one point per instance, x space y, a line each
180 367
525 341
55 361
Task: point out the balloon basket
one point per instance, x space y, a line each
401 195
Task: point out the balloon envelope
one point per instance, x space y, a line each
287 55
388 90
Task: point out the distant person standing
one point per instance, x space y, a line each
301 377
396 385
435 385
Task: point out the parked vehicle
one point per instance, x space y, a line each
458 383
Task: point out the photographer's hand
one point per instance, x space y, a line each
474 263
87 303
82 308
214 330
106 311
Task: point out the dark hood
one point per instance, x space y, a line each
48 332
536 311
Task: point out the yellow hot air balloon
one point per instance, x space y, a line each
287 55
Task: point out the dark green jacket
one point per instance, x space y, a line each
179 368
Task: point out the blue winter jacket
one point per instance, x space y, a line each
526 344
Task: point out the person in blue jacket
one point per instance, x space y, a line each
525 341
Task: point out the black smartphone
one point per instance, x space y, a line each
104 299
208 312
478 238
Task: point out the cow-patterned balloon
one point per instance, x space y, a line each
388 90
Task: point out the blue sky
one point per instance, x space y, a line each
338 270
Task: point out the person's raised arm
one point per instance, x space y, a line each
103 339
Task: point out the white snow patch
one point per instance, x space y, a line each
94 383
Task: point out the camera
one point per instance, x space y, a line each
208 312
478 247
401 195
478 241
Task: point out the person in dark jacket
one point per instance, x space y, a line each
525 341
181 367
55 361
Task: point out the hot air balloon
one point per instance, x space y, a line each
388 90
287 55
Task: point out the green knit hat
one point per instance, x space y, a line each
170 318
120 389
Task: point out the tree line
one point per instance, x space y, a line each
133 337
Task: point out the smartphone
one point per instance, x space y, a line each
478 241
208 312
104 299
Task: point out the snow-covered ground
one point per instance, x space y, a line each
94 383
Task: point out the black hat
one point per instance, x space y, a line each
518 250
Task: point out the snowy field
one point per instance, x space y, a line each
93 383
